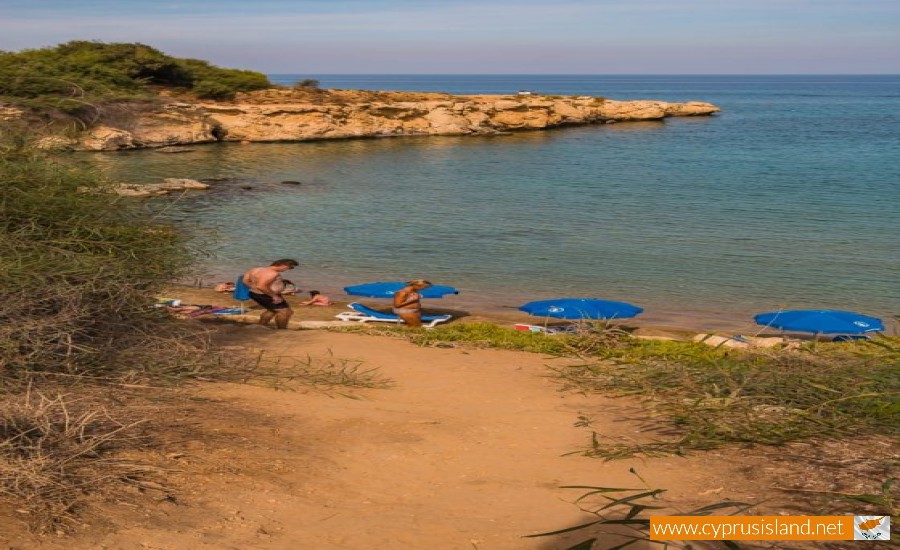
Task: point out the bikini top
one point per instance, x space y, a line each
412 298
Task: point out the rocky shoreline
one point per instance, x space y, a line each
314 114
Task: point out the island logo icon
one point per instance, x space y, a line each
872 528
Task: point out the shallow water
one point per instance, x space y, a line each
789 198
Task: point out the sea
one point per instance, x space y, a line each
789 198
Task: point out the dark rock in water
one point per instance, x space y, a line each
215 180
292 182
247 187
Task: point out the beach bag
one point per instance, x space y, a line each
241 291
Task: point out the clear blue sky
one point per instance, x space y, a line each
484 36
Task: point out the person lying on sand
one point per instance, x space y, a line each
224 287
183 311
317 299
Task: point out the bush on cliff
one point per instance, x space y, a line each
209 81
74 76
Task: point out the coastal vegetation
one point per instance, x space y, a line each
83 350
77 272
307 83
78 268
80 78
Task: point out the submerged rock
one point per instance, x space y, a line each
184 183
169 185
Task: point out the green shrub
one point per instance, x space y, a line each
207 89
78 73
235 80
78 270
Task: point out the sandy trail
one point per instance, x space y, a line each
466 451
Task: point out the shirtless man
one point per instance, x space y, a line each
266 287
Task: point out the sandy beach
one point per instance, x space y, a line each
466 449
444 448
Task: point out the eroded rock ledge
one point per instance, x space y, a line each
298 115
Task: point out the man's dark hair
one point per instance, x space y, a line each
286 261
314 292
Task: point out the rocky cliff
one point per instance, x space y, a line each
297 115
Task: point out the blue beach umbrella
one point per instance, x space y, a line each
581 308
824 321
388 289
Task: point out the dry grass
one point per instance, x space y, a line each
770 397
328 374
58 450
78 272
78 269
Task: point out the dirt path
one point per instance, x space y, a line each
465 451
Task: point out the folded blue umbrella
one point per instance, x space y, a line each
388 289
823 321
581 308
241 290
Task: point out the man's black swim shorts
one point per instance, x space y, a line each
266 301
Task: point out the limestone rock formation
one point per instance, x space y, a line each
105 138
310 114
174 123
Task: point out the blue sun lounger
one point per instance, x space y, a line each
363 314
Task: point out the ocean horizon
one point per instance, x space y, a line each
787 199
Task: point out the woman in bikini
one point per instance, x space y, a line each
408 302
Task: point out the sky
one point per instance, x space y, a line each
483 36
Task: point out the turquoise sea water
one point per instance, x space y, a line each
788 198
